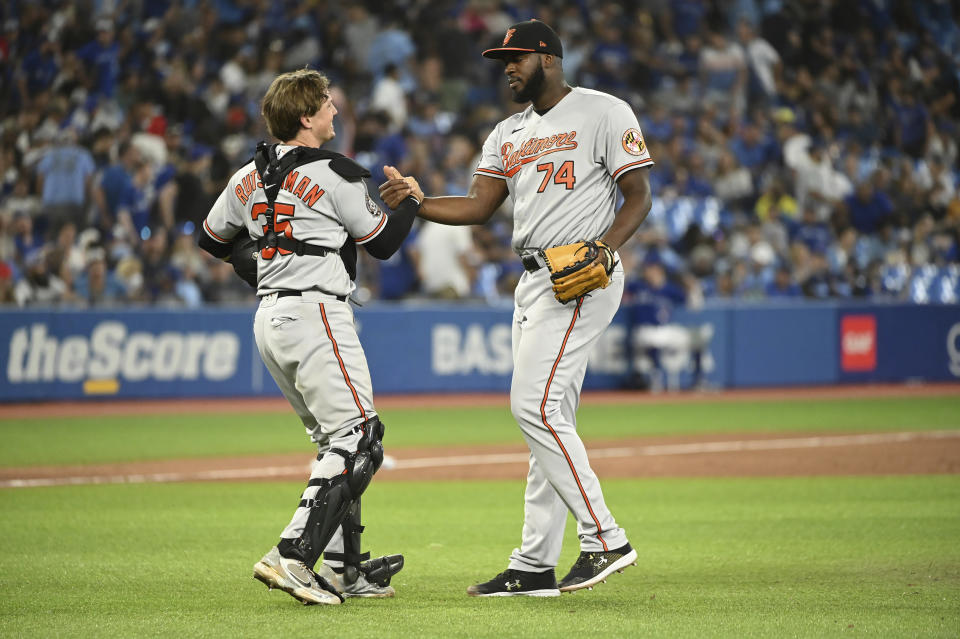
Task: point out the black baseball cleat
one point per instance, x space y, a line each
518 583
592 568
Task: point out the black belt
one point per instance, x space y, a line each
532 262
342 298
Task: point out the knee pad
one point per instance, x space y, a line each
362 465
372 440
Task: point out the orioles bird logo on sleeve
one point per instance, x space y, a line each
372 207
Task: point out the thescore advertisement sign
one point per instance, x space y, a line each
464 348
149 353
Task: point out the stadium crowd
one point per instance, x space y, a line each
804 148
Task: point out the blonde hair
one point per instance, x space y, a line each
290 96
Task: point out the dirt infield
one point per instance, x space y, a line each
385 402
727 455
755 455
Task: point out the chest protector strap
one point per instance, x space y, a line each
273 171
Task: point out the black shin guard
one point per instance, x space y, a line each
378 570
328 508
351 555
338 499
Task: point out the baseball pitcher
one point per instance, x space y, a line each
562 160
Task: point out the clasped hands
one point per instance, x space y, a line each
398 188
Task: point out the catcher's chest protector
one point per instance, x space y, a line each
274 171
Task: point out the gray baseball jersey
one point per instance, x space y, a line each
561 168
314 205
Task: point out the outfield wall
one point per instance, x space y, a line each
454 348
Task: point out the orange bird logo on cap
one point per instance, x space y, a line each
509 35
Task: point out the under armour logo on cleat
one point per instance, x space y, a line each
600 562
512 586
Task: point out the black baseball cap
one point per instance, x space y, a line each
530 36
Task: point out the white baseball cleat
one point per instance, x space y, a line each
295 578
359 588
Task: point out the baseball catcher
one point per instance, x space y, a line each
290 221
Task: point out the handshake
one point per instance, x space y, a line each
398 188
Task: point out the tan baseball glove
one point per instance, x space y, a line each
578 268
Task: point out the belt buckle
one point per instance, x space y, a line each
532 261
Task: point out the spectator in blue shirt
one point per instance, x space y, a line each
117 187
395 46
688 16
143 198
97 286
657 125
376 147
610 57
64 178
812 232
691 180
751 149
782 285
102 57
655 293
868 208
40 68
910 120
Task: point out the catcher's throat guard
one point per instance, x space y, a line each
337 502
578 268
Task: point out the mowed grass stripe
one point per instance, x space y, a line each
89 440
816 557
656 450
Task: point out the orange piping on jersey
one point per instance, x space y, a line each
206 227
491 172
636 165
361 240
543 416
343 369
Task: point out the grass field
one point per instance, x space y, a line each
807 557
88 440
